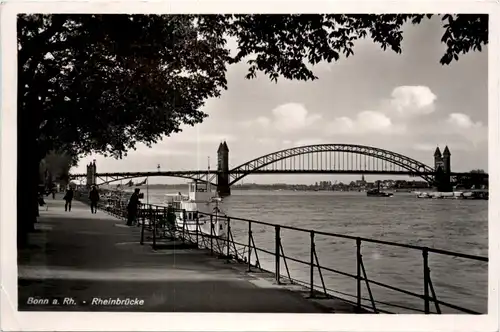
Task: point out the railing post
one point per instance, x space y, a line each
311 270
183 225
277 255
165 218
425 254
154 226
227 236
157 216
197 225
142 226
249 246
358 272
211 234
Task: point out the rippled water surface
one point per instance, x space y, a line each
455 225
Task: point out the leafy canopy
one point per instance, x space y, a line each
103 83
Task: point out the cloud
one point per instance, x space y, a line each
261 121
413 100
366 122
462 121
285 118
194 135
266 141
309 141
293 116
461 124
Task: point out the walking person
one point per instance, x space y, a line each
68 197
94 198
132 207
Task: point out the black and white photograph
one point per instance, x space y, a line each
251 163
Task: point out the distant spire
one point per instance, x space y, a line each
224 145
437 153
446 152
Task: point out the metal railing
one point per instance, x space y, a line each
153 219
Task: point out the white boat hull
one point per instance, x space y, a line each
202 226
201 214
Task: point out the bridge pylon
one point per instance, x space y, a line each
223 188
91 174
442 165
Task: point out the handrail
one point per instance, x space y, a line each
227 247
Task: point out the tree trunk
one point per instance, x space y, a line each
28 177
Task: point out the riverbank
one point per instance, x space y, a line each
90 260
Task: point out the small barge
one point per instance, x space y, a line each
378 193
454 195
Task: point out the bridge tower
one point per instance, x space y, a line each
447 169
442 166
447 160
91 174
438 159
223 169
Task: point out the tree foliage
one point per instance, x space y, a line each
280 44
103 83
58 164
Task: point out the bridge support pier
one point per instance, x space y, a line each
223 190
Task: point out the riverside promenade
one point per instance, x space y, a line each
82 259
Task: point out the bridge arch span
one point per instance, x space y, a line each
135 177
396 159
132 176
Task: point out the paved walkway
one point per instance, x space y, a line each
91 257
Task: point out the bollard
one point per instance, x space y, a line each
358 272
425 255
277 255
311 270
249 246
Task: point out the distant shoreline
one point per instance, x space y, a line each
260 187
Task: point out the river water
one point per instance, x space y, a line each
454 225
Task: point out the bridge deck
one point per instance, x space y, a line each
82 255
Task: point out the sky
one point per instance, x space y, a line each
407 103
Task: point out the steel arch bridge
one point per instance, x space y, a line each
110 177
334 158
319 159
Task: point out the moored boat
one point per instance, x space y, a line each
200 207
378 193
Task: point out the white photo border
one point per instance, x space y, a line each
12 320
